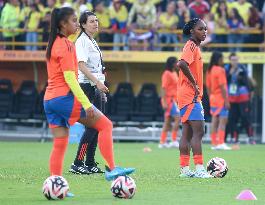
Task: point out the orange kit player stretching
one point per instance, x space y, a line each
169 103
190 93
217 90
65 103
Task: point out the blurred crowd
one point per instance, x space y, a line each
150 24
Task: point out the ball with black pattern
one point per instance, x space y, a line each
217 167
123 187
55 188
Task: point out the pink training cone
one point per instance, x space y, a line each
246 195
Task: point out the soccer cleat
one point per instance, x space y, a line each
81 169
69 194
118 171
202 174
165 145
186 174
94 169
213 147
174 144
223 147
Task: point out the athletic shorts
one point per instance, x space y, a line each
193 111
221 112
63 111
172 109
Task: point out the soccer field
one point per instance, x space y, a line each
24 167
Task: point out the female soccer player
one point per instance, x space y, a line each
169 103
190 93
91 78
65 103
217 90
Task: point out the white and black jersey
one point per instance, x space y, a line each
88 51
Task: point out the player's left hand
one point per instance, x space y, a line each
90 112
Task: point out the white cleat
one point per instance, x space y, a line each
202 174
165 145
213 147
174 144
223 147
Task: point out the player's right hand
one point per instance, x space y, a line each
90 112
102 87
164 105
227 104
197 90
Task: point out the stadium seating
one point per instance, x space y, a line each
146 104
39 109
122 102
6 97
25 101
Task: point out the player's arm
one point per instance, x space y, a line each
183 65
225 95
84 69
73 84
163 98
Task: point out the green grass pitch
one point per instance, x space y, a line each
24 167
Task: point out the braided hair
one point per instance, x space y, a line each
190 25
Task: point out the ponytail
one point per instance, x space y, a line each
53 32
57 16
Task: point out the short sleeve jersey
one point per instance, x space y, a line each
88 51
191 54
170 83
63 58
214 79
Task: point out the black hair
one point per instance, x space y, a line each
237 15
170 63
83 19
190 25
216 56
57 16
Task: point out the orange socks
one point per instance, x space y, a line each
174 136
163 137
213 139
57 155
198 159
105 142
184 160
221 136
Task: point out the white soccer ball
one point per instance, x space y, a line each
123 187
217 167
55 187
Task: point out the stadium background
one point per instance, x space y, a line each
135 66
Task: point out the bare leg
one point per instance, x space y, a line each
165 129
214 128
198 132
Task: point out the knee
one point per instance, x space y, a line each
199 134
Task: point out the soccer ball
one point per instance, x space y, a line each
55 187
123 187
217 167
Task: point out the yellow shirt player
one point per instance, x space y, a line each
32 24
243 9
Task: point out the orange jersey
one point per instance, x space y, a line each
191 54
170 83
63 58
214 79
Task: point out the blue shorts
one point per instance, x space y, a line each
63 111
193 111
174 112
221 112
